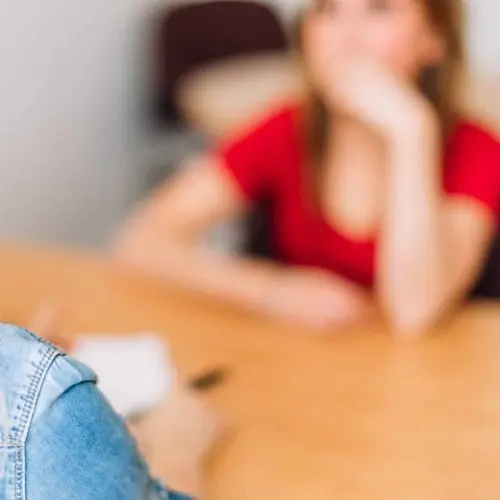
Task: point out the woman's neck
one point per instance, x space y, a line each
347 132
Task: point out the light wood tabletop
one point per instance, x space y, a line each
348 414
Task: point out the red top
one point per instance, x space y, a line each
269 161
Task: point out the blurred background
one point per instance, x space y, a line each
101 100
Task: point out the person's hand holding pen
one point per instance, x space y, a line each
176 437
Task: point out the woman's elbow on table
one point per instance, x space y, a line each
417 313
413 319
414 310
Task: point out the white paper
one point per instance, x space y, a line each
135 372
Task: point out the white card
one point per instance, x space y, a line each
135 372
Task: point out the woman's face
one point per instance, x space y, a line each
397 33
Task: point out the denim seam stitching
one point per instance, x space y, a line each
32 393
18 489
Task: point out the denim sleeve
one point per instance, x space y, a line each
61 439
80 449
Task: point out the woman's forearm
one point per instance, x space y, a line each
413 250
302 295
188 265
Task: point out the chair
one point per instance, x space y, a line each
258 240
194 35
488 286
186 38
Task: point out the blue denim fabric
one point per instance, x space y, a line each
59 437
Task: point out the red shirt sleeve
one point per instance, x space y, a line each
472 166
253 157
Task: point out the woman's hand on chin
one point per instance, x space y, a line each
370 92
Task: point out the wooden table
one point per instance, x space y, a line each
351 415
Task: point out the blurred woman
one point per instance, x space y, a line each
382 193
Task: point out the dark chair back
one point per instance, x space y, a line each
193 35
489 282
258 237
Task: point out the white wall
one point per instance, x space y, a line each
484 36
69 127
